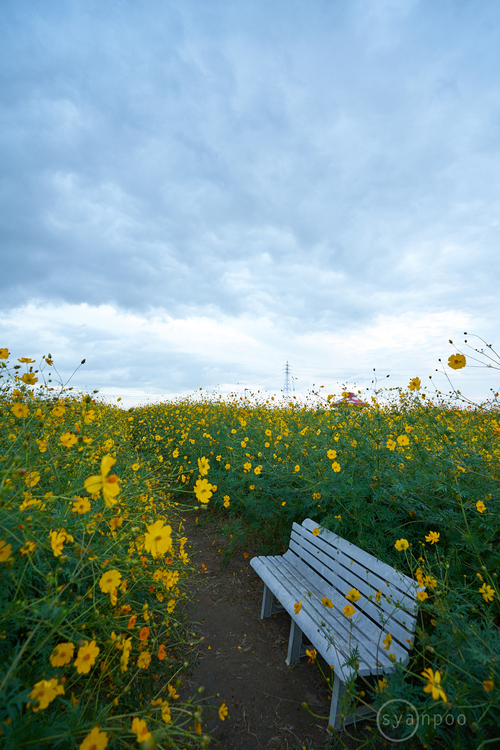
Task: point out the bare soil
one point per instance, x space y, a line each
242 658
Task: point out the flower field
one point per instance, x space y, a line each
91 573
93 560
414 483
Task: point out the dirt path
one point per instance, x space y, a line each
243 658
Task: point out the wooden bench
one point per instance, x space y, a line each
325 565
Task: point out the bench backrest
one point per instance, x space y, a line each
344 566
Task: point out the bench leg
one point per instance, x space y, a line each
268 606
295 648
338 695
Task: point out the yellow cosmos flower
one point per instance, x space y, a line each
414 384
257 470
331 454
124 658
110 581
57 540
403 440
115 523
109 485
487 592
311 653
434 684
223 711
29 378
432 537
172 693
381 686
401 545
336 467
86 658
19 410
203 466
488 685
27 548
96 740
4 353
457 361
139 727
158 539
353 595
481 507
5 550
45 692
391 444
422 596
136 466
62 654
81 505
203 490
165 714
58 411
349 610
326 602
226 501
387 641
68 439
144 660
297 607
32 478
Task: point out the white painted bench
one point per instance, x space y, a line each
325 565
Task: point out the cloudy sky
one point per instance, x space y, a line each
195 192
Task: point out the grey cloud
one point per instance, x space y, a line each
316 164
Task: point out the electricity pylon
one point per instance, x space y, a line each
287 388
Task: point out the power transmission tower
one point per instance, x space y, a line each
287 385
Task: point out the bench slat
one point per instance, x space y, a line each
401 590
399 580
368 618
337 576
